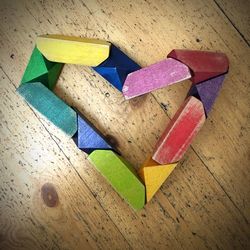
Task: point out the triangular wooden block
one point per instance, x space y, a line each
154 175
39 69
121 175
207 91
155 76
204 64
75 50
88 138
116 68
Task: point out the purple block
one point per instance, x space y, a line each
207 91
155 76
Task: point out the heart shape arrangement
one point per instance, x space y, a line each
205 69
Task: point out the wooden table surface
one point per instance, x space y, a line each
205 203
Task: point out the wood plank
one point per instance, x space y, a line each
191 198
238 13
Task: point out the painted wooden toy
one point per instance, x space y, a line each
88 138
179 133
203 64
75 50
205 69
116 68
207 91
121 175
153 174
39 69
50 106
155 76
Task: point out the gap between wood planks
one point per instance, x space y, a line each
227 17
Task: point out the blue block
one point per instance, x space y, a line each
116 68
88 138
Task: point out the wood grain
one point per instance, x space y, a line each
205 202
237 12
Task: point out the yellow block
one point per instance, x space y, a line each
75 50
153 174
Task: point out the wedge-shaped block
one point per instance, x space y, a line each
49 105
180 131
75 50
204 64
88 138
116 68
121 175
39 69
207 91
155 76
154 175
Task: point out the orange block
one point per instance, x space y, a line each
153 174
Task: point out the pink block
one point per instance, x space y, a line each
155 76
180 132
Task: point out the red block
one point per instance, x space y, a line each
204 64
180 131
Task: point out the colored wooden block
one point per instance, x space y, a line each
116 68
121 175
180 131
49 105
75 50
154 175
88 138
207 91
39 69
204 64
155 76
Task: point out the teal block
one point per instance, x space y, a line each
49 105
39 69
121 175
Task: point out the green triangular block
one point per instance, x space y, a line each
39 69
121 175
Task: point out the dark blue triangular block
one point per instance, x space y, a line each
88 138
116 68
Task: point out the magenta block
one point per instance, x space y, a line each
155 76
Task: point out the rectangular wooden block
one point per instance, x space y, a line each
75 50
121 175
180 131
155 76
49 105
